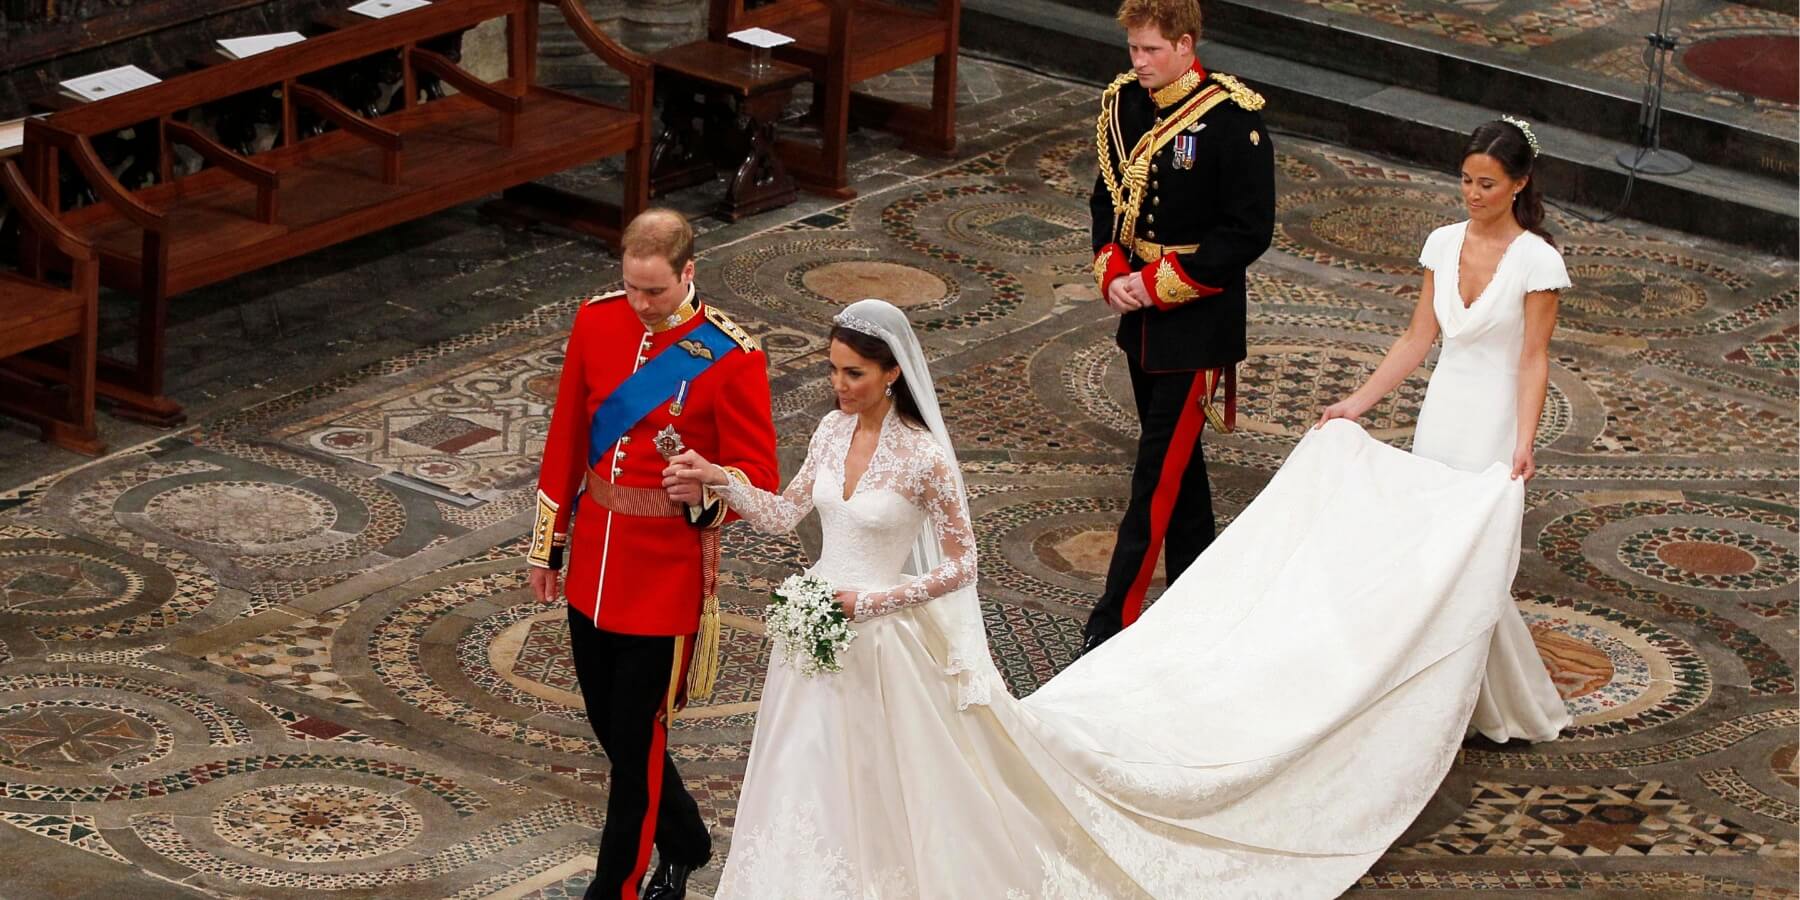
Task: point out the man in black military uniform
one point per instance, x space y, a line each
1184 203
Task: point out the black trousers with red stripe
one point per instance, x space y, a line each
625 683
1163 399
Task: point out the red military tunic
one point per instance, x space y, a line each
642 574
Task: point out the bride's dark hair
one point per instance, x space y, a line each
871 347
1513 150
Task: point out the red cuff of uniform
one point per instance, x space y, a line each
1169 285
1110 263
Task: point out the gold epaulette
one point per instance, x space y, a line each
601 298
731 329
1241 94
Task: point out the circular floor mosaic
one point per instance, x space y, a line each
1617 673
521 654
1362 227
78 589
67 583
79 736
1720 555
848 281
1611 290
317 822
1712 558
1782 763
240 513
1033 229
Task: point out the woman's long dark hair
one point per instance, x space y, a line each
871 347
1507 144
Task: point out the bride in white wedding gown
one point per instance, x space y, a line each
1266 729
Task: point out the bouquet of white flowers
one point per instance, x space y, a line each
808 626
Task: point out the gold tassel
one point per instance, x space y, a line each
704 670
674 704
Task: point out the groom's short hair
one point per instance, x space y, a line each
660 232
1173 18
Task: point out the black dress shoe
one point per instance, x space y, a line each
1091 642
669 882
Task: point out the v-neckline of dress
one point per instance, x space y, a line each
848 491
1456 285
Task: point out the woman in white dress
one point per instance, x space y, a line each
1267 729
1490 289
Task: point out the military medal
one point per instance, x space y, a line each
680 400
668 442
1184 151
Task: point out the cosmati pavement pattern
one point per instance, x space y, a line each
290 652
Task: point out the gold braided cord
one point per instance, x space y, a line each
1128 196
1137 173
1108 121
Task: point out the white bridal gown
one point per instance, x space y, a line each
1266 729
1469 421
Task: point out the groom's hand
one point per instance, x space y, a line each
682 486
544 584
1126 293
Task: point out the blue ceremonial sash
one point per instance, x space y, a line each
657 381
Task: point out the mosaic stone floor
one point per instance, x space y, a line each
289 652
1601 42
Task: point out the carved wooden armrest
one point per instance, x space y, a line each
265 179
327 107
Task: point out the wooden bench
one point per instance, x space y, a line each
847 41
240 213
36 312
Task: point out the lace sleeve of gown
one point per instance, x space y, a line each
778 513
938 491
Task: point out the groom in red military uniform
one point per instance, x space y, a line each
649 370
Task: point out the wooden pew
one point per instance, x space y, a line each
36 312
847 41
241 213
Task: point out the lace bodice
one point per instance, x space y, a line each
869 536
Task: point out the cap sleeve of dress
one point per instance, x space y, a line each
1431 256
1547 270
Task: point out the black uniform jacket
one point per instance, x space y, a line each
1185 200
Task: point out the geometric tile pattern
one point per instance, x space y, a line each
78 831
1644 819
317 822
1729 784
1715 739
462 800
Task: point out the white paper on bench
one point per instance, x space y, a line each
240 47
101 85
381 9
760 37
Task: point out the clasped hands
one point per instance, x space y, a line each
686 478
1126 293
687 475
